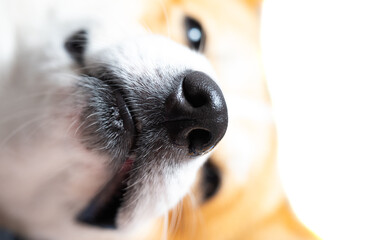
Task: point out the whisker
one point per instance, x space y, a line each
20 128
197 217
147 28
176 218
165 12
164 235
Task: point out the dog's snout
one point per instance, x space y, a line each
197 115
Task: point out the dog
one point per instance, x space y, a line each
111 119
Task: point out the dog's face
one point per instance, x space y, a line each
99 128
105 124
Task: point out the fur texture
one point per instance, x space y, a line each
62 137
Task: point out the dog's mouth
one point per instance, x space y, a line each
102 210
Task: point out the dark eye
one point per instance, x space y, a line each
195 34
211 180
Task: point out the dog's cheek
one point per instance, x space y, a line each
56 174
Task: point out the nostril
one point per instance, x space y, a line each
194 98
199 140
195 91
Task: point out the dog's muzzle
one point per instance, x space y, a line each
193 119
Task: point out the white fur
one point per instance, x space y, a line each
46 175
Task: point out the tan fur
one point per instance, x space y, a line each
251 205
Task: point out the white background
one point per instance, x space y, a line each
316 55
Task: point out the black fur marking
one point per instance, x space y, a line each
76 46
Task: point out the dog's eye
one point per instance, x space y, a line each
211 180
194 34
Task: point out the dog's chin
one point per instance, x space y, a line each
133 197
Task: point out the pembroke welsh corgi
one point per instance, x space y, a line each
111 115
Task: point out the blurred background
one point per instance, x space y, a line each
316 55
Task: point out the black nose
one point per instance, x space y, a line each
197 115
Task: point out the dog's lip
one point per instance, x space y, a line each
120 94
125 113
102 210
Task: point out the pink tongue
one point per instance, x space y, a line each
127 165
103 208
